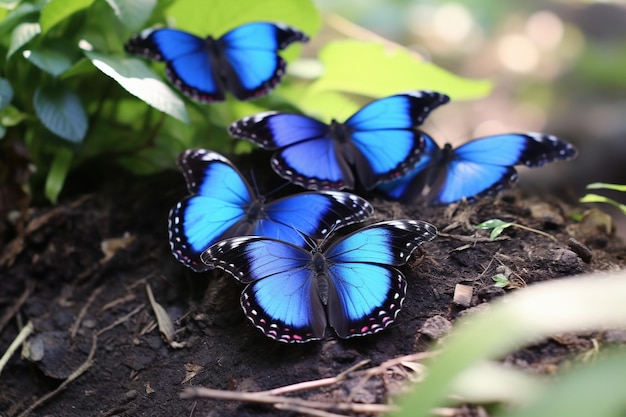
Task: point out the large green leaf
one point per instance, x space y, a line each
139 80
23 12
21 35
61 111
133 13
6 93
372 69
218 16
56 10
52 61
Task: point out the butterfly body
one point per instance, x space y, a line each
221 204
243 61
378 143
351 284
483 166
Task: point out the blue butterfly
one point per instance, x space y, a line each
350 284
244 61
482 166
379 142
223 205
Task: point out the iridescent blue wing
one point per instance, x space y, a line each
385 134
216 208
480 167
255 67
366 291
314 214
280 298
412 184
307 153
244 61
191 66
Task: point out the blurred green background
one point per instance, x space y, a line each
557 67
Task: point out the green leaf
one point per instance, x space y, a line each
596 198
57 173
586 389
57 10
23 12
21 35
139 80
6 93
565 305
219 16
371 69
11 116
497 225
133 13
603 185
52 61
61 111
500 280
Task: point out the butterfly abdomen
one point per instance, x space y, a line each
321 276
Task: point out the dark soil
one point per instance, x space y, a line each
55 275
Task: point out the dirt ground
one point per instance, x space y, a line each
96 339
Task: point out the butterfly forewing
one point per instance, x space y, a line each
215 209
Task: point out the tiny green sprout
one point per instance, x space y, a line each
596 198
498 227
500 281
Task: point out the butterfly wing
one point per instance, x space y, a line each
313 214
255 67
366 291
280 297
307 153
215 210
190 64
413 182
485 165
384 134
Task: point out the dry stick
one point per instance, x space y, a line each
301 386
201 392
281 402
83 311
121 319
472 239
21 336
12 310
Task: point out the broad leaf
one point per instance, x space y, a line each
23 12
61 111
57 10
133 13
139 80
372 69
52 61
21 35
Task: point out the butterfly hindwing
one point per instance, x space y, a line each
293 294
378 143
244 61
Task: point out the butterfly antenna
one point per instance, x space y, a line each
310 243
277 189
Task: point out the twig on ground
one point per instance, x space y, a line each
19 339
13 309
